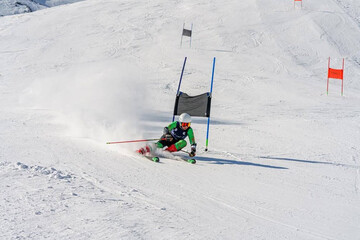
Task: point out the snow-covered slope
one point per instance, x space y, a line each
283 159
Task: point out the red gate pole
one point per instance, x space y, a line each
132 141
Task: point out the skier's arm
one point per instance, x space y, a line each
191 136
170 127
166 131
192 142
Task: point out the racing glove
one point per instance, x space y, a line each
193 150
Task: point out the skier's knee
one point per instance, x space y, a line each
159 145
180 144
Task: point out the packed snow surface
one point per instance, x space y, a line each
284 156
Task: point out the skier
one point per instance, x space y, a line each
174 135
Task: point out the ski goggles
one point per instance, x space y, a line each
185 124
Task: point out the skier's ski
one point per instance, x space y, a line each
146 153
191 160
181 158
151 158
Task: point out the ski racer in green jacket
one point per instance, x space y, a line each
174 136
175 133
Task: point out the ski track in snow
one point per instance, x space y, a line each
294 228
222 202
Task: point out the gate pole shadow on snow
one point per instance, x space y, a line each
213 160
309 161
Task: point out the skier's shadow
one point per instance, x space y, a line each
221 161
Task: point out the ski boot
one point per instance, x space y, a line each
143 151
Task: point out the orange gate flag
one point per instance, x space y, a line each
337 74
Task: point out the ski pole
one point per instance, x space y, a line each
184 151
132 141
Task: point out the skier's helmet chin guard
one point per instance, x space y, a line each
185 120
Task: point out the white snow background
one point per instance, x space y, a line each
283 159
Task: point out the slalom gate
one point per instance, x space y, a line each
186 33
198 106
336 74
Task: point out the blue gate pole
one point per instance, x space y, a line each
182 72
208 124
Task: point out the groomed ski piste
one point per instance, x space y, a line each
283 159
